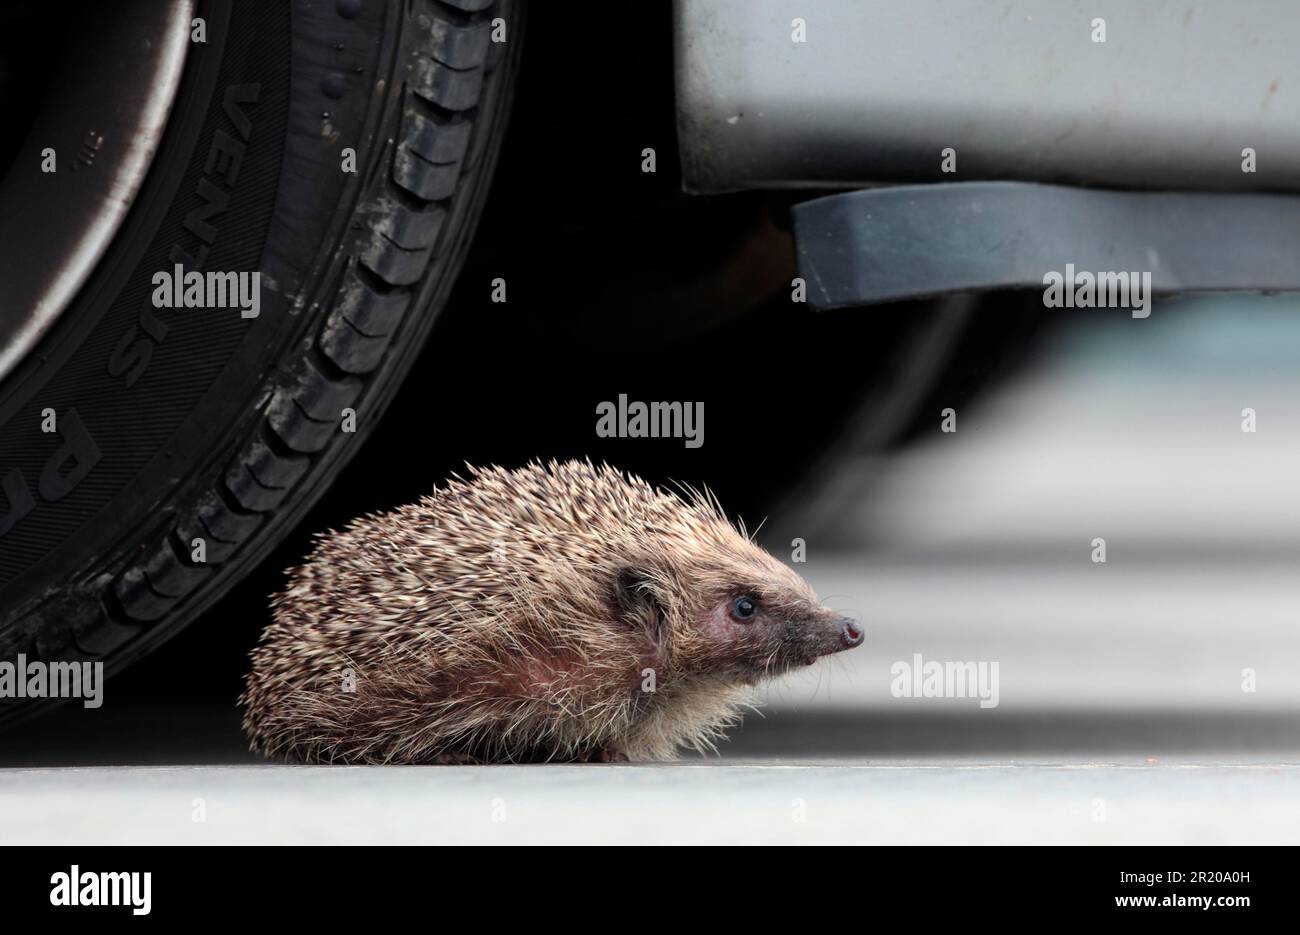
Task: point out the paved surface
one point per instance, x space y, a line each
741 803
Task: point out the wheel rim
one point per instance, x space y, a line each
103 118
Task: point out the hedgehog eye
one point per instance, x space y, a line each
744 608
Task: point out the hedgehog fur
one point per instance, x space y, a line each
555 612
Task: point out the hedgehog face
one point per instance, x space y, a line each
739 613
755 631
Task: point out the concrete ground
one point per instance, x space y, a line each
1153 698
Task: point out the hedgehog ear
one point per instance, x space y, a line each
634 590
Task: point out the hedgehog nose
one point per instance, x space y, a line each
850 633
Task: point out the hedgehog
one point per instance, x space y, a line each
560 612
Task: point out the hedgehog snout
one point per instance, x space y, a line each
822 634
850 633
837 634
